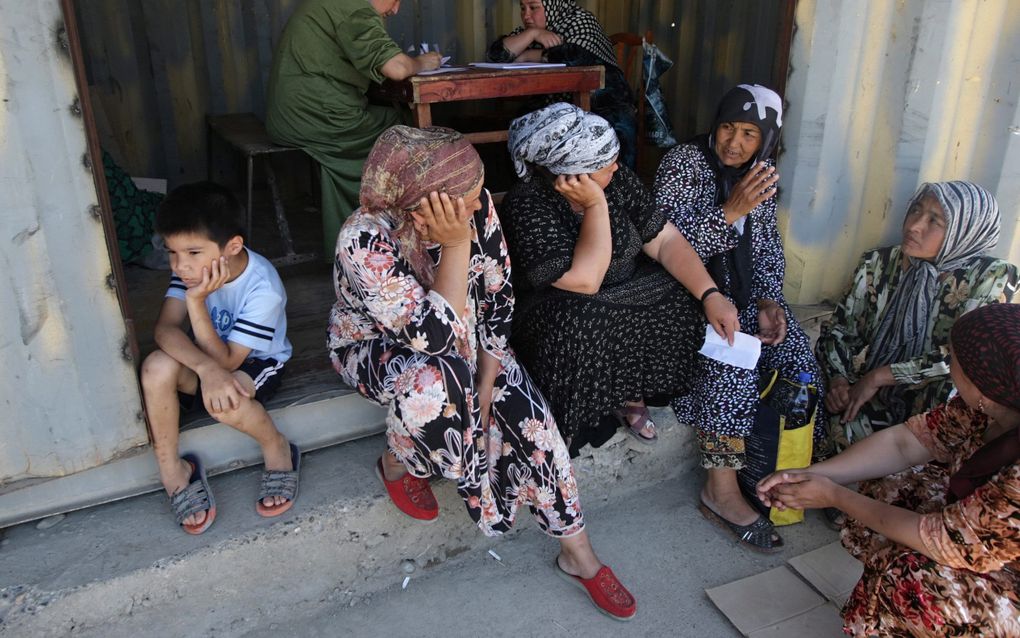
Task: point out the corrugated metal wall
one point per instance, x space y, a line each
886 95
158 66
69 394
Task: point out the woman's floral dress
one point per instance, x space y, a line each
842 346
405 347
972 585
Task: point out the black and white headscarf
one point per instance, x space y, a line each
761 106
562 138
577 26
972 229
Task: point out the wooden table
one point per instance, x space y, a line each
422 91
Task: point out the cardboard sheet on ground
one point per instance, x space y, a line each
780 602
831 570
765 600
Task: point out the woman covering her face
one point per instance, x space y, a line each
902 302
940 543
719 190
561 31
603 319
421 325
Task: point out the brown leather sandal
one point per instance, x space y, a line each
644 420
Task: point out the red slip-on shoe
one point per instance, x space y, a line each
606 592
411 495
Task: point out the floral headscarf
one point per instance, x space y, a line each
405 165
563 138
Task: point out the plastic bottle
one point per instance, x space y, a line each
800 408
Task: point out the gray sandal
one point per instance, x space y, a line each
194 498
280 483
757 536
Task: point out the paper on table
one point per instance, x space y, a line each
444 69
743 353
516 65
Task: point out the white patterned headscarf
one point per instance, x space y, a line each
972 229
562 138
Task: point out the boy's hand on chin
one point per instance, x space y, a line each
214 276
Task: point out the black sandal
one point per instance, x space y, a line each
760 535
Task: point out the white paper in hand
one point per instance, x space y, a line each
743 353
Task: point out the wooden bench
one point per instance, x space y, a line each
246 134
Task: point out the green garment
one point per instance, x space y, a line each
841 348
329 53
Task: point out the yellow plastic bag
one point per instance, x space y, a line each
772 447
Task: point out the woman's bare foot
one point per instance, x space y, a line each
393 469
648 430
577 557
721 494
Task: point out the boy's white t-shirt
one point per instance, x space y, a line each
250 310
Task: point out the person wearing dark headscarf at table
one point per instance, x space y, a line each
603 320
939 535
884 351
561 31
719 190
421 326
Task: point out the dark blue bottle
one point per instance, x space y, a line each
799 413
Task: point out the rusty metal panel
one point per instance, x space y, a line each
158 66
884 96
69 395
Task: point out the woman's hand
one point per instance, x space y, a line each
722 315
547 39
754 188
797 489
771 322
446 222
580 190
838 397
858 394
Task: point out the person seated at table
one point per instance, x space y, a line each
900 306
421 324
719 190
940 542
603 319
328 54
561 31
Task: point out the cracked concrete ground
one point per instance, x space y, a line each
334 565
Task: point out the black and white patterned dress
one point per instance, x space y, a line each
724 398
636 337
404 347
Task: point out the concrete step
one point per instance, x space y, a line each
342 541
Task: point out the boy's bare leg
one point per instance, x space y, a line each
252 419
162 377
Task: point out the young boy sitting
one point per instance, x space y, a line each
231 361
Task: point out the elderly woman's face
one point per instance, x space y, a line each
924 229
533 14
603 176
737 142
